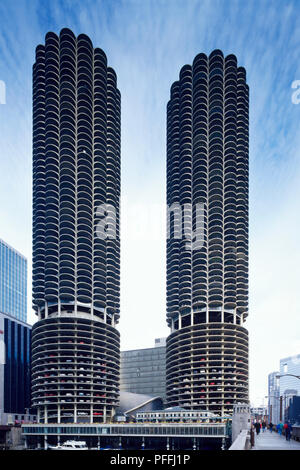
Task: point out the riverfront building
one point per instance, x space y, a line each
207 265
76 247
167 436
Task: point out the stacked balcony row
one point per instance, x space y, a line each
207 170
76 169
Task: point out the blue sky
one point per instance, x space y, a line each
147 42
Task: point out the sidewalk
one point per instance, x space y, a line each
272 441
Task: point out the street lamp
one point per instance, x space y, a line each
284 375
280 409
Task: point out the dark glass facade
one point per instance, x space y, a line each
207 281
144 371
76 273
16 374
293 411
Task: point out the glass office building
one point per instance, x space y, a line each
13 282
273 398
76 266
207 245
290 365
289 385
144 370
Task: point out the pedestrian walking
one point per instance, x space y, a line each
271 427
279 428
288 431
263 425
257 428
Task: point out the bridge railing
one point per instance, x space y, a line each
295 432
242 442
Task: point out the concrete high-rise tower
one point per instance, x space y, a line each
76 270
207 261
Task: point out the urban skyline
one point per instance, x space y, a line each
268 95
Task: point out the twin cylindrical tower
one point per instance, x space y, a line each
207 267
76 243
76 267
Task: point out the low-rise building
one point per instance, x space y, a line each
13 282
175 414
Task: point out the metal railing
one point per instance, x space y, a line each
242 442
